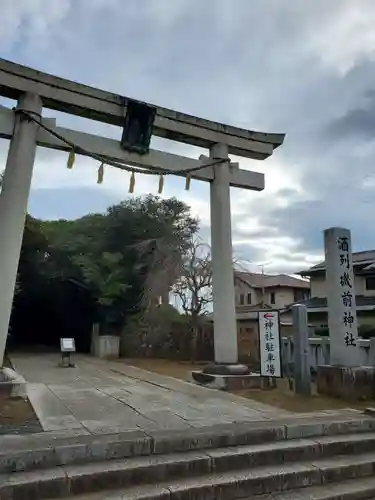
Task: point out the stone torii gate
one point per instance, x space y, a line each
34 91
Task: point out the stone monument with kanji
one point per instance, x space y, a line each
344 376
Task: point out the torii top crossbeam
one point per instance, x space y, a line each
81 100
35 90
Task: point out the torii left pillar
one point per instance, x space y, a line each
13 205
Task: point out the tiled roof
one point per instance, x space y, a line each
364 259
257 280
321 302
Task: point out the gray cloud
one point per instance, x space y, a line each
266 64
356 123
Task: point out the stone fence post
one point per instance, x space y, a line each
302 377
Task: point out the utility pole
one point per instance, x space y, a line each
263 289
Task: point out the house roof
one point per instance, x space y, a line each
321 302
258 280
364 260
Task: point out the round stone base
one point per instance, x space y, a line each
221 369
12 385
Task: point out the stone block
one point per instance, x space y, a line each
257 433
106 346
194 489
98 477
370 411
149 492
361 489
114 474
218 369
264 480
296 476
180 466
190 439
345 444
227 459
349 426
27 460
246 483
300 430
127 444
216 437
337 468
357 383
70 454
38 455
37 484
12 385
243 485
231 382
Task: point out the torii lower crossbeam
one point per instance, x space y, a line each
35 90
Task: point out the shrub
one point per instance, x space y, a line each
322 332
366 331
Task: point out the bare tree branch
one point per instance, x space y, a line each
194 284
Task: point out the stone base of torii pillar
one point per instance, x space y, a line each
12 385
230 377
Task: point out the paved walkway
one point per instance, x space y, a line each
100 397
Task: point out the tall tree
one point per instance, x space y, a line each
193 287
128 257
153 234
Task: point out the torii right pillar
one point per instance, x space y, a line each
348 374
224 308
226 373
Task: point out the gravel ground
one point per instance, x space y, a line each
17 417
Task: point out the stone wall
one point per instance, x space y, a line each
319 352
106 346
174 342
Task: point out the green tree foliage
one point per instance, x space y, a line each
127 257
33 252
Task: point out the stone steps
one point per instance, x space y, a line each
48 450
226 473
239 484
352 489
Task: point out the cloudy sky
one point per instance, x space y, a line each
299 67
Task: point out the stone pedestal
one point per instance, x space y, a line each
12 385
222 369
230 378
237 382
106 346
352 383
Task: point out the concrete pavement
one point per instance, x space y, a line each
109 426
103 397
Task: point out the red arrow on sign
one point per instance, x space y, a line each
268 315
